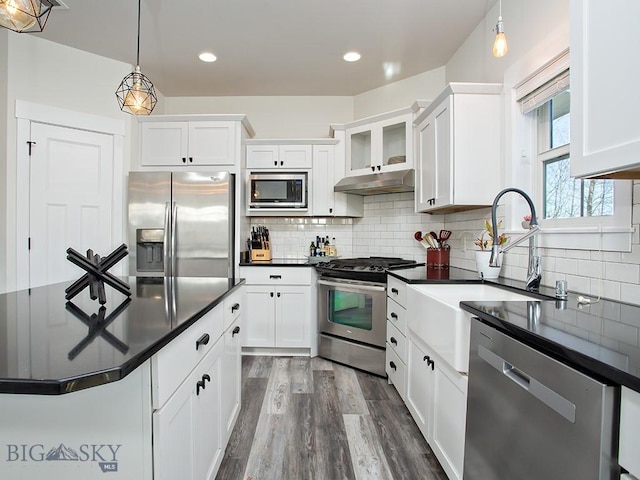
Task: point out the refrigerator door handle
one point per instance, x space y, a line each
174 221
165 240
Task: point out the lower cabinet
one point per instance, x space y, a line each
437 399
187 433
196 394
278 316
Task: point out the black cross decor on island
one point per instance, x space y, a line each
97 274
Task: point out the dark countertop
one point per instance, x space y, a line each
279 262
47 349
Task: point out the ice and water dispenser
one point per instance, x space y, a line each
149 250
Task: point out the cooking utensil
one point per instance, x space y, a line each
418 236
435 238
444 236
431 241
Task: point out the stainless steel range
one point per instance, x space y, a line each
352 310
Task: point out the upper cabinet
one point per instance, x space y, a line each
192 141
458 166
261 156
380 143
605 125
328 168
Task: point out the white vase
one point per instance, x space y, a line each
482 264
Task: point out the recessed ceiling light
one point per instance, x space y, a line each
352 56
207 57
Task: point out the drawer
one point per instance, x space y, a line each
276 275
397 371
397 340
233 306
397 290
173 363
397 315
630 431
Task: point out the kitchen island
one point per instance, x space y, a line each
132 388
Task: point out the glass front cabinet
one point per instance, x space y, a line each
380 143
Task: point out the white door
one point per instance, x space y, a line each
70 205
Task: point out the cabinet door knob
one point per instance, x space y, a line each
275 163
206 378
199 385
378 167
393 340
394 315
393 365
278 294
432 363
373 169
426 358
281 162
331 210
190 159
184 159
235 331
271 294
203 340
395 290
234 307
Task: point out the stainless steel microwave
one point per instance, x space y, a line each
277 190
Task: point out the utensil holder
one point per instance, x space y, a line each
438 258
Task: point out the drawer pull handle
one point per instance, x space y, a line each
394 315
234 307
393 365
395 290
199 385
393 340
235 331
203 340
275 277
206 378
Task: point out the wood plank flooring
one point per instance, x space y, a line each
306 419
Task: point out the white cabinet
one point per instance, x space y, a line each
458 166
187 143
605 126
380 143
629 431
187 433
328 169
437 401
196 394
192 140
278 156
396 354
279 307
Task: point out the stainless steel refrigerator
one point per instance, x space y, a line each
181 224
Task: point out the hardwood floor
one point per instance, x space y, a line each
307 419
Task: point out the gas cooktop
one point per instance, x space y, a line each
364 268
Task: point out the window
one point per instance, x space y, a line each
562 195
574 213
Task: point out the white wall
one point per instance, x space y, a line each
43 72
273 117
402 93
4 78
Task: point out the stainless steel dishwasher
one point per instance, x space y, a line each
532 417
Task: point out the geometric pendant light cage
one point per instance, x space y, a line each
25 15
136 94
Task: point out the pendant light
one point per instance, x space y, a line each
136 94
25 15
500 47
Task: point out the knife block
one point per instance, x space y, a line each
261 254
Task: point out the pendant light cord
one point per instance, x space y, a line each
138 51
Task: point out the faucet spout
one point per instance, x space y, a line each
534 271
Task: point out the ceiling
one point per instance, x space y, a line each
270 47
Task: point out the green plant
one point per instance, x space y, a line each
485 240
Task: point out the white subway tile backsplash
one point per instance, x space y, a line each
622 272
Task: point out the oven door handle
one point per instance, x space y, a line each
359 286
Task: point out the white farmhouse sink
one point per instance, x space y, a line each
435 317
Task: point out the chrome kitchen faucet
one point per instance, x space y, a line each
534 272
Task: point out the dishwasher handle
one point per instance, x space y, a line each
549 397
345 285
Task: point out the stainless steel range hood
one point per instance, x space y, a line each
377 183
